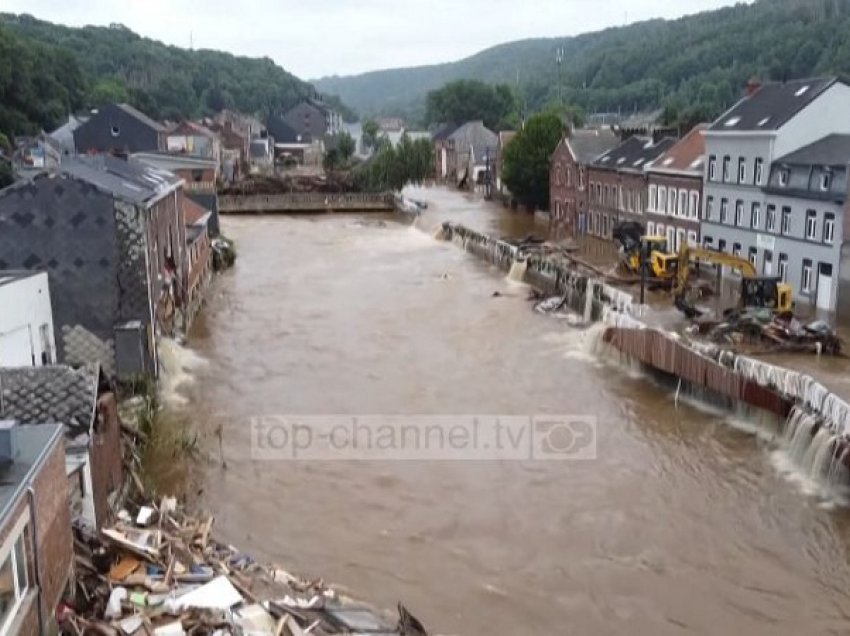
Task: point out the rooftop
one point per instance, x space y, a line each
8 276
132 181
688 155
193 212
134 112
636 153
832 150
772 105
34 444
56 394
587 144
444 131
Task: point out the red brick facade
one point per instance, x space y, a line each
567 192
614 196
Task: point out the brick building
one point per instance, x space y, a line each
618 183
200 254
36 545
112 237
675 191
568 191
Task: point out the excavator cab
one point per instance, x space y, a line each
767 292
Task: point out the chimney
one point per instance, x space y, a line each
8 442
753 86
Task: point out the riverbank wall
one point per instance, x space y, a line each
813 422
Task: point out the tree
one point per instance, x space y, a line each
370 134
108 90
526 159
346 146
332 160
393 168
470 100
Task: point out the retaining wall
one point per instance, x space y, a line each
305 202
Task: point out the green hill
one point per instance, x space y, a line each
48 70
697 64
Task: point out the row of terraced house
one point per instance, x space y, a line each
766 181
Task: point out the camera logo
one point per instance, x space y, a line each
570 437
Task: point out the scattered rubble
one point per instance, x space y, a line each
333 183
158 571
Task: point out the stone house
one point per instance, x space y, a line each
112 237
441 151
675 191
312 119
747 214
568 189
26 321
459 148
82 401
196 140
618 183
36 544
119 129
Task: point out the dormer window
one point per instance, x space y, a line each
802 91
784 175
115 131
825 180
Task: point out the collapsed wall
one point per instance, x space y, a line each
816 421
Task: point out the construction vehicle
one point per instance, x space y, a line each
649 251
757 292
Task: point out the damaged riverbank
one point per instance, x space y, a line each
811 422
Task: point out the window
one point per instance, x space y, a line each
806 278
755 216
653 197
768 263
736 249
783 267
783 177
739 212
659 229
727 174
742 170
712 168
569 177
771 218
829 228
754 256
13 574
671 201
606 197
581 178
709 205
724 211
662 200
825 180
692 238
786 220
708 242
115 131
683 203
758 175
620 199
650 229
811 225
693 210
721 245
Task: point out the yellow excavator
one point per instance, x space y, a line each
661 265
761 292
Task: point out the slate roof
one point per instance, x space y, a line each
134 112
50 395
832 150
444 132
587 144
131 181
636 153
771 106
688 155
475 134
13 275
281 131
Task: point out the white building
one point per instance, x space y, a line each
26 320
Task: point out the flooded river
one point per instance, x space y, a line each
683 524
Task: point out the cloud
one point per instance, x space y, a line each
324 37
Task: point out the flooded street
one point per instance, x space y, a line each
683 524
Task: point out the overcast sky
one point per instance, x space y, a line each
313 38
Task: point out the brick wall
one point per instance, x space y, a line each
613 197
567 193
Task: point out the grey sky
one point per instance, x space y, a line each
312 38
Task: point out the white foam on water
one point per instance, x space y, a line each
517 272
178 365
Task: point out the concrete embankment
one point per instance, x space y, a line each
814 424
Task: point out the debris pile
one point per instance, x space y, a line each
772 332
333 183
159 572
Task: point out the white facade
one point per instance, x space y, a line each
26 320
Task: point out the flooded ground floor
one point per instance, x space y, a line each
689 520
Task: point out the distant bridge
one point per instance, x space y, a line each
305 203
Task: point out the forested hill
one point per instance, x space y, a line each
48 70
697 64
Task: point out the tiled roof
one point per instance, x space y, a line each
50 395
772 105
444 131
636 153
132 181
832 150
475 134
587 144
688 155
133 112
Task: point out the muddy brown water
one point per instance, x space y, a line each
682 525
